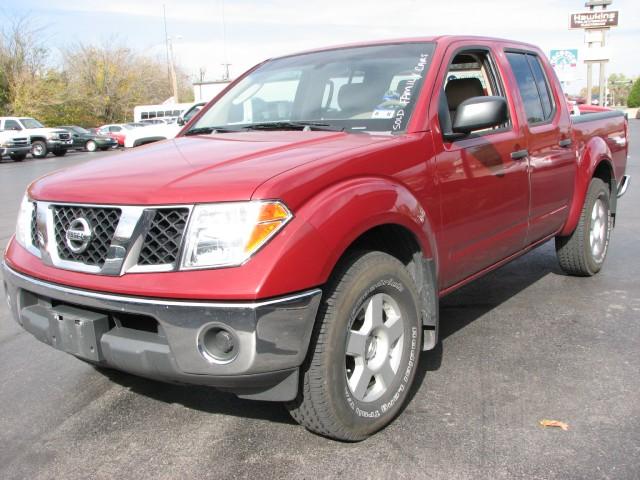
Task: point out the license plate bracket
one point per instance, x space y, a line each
69 329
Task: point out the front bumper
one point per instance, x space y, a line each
106 142
55 144
272 336
12 150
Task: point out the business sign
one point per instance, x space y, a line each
594 19
565 63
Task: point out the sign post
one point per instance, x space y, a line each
596 24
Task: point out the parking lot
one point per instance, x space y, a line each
522 344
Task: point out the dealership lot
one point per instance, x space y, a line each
522 344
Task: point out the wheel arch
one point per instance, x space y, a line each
595 161
378 214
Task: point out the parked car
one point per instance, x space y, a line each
115 130
83 139
43 140
14 145
161 131
292 242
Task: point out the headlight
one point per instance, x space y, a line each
227 234
53 136
23 226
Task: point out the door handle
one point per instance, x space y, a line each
519 154
565 143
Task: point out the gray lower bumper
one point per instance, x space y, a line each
272 336
11 150
59 144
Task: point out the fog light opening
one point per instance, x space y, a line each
218 344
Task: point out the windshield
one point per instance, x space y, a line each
31 123
370 89
81 130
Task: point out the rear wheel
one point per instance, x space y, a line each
583 252
39 149
18 157
364 351
90 146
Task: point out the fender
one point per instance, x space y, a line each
343 212
595 152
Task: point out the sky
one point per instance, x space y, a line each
254 30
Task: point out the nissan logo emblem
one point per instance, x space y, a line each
78 235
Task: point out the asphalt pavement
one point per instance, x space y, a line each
522 344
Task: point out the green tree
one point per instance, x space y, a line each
94 85
619 86
634 95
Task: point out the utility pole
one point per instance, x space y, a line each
225 71
166 42
174 76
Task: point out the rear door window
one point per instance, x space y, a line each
12 125
533 86
542 85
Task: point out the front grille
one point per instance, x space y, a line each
162 242
19 142
103 222
34 226
64 136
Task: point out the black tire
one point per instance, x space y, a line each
18 157
578 253
326 403
90 146
59 153
39 149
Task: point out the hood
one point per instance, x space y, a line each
197 169
45 130
10 135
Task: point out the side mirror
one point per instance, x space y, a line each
180 121
477 113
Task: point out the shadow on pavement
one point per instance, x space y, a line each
204 399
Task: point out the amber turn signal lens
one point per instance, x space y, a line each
272 216
272 211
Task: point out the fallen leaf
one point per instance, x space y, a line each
554 423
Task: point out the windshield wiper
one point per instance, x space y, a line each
288 125
205 130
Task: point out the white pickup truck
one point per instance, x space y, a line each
14 145
43 139
162 131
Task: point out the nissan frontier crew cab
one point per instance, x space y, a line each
292 242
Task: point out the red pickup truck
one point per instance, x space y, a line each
291 244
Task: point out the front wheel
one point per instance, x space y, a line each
364 351
59 153
38 149
90 146
583 252
18 157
